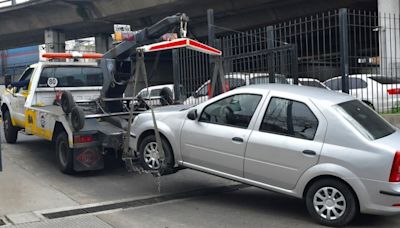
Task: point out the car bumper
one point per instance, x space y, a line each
383 198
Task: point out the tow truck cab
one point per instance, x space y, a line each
32 109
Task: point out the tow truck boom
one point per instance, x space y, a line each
117 64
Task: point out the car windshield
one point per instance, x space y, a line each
365 120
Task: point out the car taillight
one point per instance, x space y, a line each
393 91
83 138
395 173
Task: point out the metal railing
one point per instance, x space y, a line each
350 51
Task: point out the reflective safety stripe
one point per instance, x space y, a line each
181 43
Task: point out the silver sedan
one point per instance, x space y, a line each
328 148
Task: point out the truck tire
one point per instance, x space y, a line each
149 156
64 154
67 102
77 118
10 132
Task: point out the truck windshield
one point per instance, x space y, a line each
365 120
72 76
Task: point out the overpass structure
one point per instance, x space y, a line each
54 21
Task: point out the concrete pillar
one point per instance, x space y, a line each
54 40
103 43
389 14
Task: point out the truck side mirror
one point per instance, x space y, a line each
192 115
7 80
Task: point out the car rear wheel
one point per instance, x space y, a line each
10 132
150 156
331 202
64 154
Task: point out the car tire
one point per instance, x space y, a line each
67 102
77 118
149 158
64 154
331 202
10 132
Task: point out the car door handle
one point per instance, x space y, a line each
309 152
237 139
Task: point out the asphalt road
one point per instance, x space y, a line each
31 182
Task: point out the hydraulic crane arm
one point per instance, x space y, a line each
148 35
117 63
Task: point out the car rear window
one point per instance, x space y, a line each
72 76
365 120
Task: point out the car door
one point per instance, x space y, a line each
217 140
21 94
286 141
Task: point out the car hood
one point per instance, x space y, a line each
172 108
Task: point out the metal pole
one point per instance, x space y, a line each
211 42
344 48
13 2
271 56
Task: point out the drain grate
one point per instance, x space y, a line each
143 202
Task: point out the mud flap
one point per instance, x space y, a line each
88 159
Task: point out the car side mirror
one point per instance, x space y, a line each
192 115
7 80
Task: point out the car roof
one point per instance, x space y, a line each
316 94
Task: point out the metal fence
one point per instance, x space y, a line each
351 51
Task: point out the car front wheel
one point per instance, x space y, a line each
150 156
331 202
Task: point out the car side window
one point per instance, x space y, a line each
25 77
235 111
335 84
357 83
290 118
203 91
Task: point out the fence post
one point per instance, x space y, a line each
295 65
175 70
344 48
212 42
271 56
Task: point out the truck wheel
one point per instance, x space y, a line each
64 154
10 132
149 156
67 102
77 118
331 202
